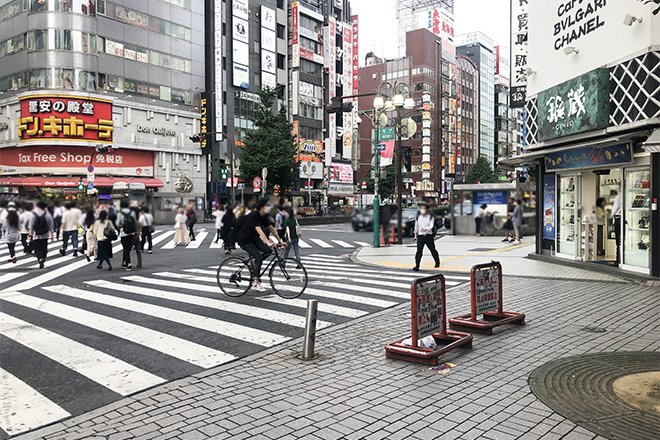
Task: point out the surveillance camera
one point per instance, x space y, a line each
570 49
630 19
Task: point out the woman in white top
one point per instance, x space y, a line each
478 218
147 222
181 231
425 235
103 244
218 214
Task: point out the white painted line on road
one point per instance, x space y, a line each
247 334
184 276
162 237
338 258
176 347
319 273
322 307
321 243
347 297
115 374
343 244
364 289
219 245
10 276
17 397
241 309
303 245
199 238
362 243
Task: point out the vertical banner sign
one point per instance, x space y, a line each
296 137
268 48
240 33
549 197
519 20
426 138
332 89
347 83
295 40
355 60
205 120
218 67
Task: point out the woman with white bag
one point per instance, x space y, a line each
181 230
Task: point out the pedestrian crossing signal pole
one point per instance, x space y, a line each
376 215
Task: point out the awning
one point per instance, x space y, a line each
72 182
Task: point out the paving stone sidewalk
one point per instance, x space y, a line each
352 391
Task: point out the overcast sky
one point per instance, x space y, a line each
378 27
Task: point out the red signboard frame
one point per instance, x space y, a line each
491 319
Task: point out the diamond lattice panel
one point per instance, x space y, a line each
636 94
531 121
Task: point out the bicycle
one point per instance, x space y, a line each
288 277
489 226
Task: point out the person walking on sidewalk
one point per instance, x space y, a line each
228 223
252 239
147 222
70 224
518 221
11 231
127 221
41 226
58 212
508 224
219 213
478 218
280 219
180 229
191 221
104 244
291 229
136 238
24 222
425 234
385 213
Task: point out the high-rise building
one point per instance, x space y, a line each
76 75
469 98
479 48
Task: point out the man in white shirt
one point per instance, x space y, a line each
70 224
24 221
424 234
58 212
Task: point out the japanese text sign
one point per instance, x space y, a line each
486 289
428 312
519 28
575 106
65 118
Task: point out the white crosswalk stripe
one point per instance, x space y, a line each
321 243
180 315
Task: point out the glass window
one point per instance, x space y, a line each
36 40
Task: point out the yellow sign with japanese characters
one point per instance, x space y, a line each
65 118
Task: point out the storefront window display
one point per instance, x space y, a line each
568 213
636 236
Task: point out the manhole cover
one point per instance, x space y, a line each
594 329
582 389
481 250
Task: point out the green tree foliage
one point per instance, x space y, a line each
386 186
482 171
270 145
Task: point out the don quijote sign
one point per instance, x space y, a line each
156 130
65 118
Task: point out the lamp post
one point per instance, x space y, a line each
395 102
309 171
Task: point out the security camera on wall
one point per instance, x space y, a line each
630 19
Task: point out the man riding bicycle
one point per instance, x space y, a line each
253 240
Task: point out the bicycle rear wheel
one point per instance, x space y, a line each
288 278
234 276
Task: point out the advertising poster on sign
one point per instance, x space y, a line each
549 197
429 308
340 173
487 291
241 76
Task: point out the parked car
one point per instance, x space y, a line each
363 219
408 218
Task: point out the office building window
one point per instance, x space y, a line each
85 7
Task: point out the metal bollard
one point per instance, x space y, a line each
310 329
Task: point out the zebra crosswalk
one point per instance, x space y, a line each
94 342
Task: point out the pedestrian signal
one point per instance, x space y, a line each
81 184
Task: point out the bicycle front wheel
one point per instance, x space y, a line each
288 278
234 276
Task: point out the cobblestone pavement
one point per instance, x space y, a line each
350 390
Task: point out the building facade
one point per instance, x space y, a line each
592 129
479 48
469 98
77 75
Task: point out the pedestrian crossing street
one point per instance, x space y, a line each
94 342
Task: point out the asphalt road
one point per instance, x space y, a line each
74 338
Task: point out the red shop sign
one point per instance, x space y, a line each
65 118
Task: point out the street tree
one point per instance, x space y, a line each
271 145
482 172
386 186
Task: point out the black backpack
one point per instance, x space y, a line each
129 224
193 219
40 225
237 228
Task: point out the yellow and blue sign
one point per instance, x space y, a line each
589 157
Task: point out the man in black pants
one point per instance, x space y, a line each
128 231
252 239
425 235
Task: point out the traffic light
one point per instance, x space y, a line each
103 149
338 106
223 174
196 138
81 184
